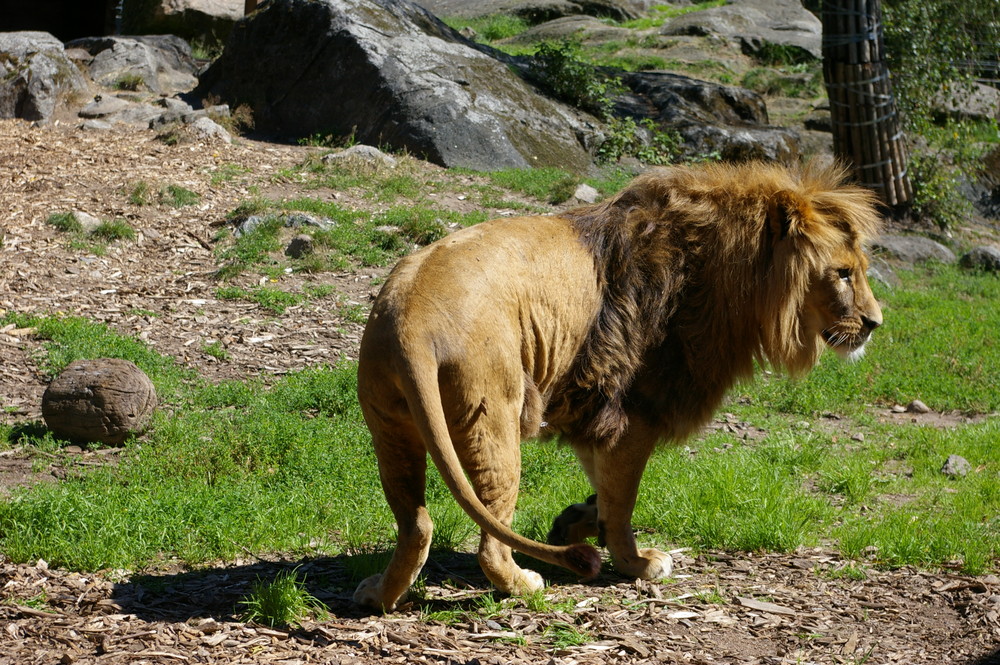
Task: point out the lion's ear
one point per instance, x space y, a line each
789 215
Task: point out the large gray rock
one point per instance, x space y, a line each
207 21
35 76
533 11
162 62
754 23
913 249
393 75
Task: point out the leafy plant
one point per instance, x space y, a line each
559 68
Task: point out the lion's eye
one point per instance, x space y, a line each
844 273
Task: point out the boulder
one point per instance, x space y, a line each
576 27
711 118
755 24
982 258
104 400
208 21
532 11
979 102
159 63
393 75
35 76
913 249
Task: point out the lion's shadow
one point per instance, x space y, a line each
220 592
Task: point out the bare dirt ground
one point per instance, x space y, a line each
720 608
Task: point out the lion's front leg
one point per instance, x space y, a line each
615 473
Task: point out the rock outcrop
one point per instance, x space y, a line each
392 74
159 63
533 11
35 76
203 20
756 23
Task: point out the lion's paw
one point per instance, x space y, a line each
532 581
369 594
518 582
652 564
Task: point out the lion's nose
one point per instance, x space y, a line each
871 323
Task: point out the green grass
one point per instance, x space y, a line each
65 222
243 466
660 14
281 602
490 29
111 230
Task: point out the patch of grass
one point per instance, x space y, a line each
273 300
140 194
803 82
65 222
490 29
281 602
176 196
660 14
216 350
227 173
548 184
130 82
564 635
779 55
252 248
632 62
112 230
74 338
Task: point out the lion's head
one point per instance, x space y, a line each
819 229
706 270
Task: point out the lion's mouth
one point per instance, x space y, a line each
848 346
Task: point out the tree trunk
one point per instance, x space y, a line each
867 133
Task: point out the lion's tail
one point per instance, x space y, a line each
425 398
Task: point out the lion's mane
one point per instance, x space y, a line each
703 271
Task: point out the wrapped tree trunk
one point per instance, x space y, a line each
867 134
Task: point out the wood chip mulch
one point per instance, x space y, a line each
747 610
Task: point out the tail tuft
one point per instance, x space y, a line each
583 560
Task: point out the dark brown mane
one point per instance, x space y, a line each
686 258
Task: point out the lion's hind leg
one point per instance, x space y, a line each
402 468
496 482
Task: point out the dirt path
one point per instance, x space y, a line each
799 608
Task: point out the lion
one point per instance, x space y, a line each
612 327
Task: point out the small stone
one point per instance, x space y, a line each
300 246
87 221
898 408
586 194
956 466
916 406
859 437
361 154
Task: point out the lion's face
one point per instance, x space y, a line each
840 307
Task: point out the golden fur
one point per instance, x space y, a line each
613 327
